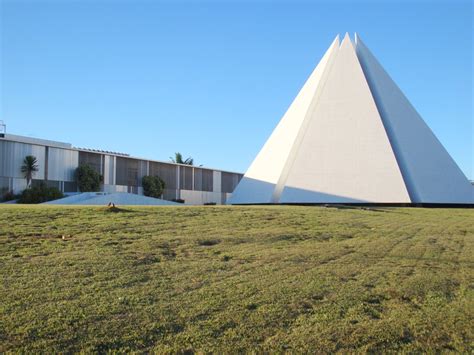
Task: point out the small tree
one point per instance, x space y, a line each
178 159
153 186
29 168
88 180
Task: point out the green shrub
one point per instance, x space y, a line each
88 180
39 194
153 186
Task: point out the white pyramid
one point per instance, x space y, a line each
351 136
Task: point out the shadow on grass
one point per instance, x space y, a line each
363 208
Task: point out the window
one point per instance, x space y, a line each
229 182
165 171
92 159
127 172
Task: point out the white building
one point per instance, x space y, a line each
57 163
351 136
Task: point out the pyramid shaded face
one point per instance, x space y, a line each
339 142
430 174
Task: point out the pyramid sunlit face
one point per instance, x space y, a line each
351 136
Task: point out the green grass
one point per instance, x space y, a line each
230 279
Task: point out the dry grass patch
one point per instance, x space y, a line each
230 279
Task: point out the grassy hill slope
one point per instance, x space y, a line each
226 279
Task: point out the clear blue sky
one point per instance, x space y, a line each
212 79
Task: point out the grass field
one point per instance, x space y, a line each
230 279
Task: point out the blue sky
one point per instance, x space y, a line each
212 79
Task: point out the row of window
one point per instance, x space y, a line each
130 171
57 165
69 186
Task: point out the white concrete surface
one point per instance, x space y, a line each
344 153
118 198
352 136
258 184
76 198
431 175
195 197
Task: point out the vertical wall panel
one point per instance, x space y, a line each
127 172
216 181
229 182
186 178
70 186
165 171
142 171
169 194
18 185
226 182
12 155
92 159
197 179
109 170
62 164
207 180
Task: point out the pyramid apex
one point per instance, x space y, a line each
358 40
346 41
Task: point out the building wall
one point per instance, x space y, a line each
168 172
201 197
109 170
4 185
203 179
229 182
62 164
12 155
94 160
57 165
216 181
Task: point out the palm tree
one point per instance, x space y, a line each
29 168
178 159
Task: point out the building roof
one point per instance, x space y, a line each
62 145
